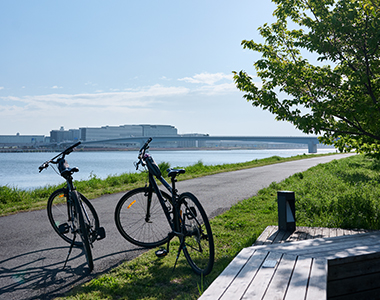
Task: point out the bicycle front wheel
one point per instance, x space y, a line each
198 242
83 228
59 214
140 218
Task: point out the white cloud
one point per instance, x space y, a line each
212 84
133 98
1 87
207 78
56 87
223 88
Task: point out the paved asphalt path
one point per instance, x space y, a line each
32 255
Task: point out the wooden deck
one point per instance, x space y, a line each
310 263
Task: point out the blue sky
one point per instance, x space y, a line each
96 63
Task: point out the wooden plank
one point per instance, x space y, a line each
317 287
371 294
271 235
302 234
265 234
353 285
341 248
340 232
259 285
309 232
319 247
343 271
268 236
295 236
353 259
281 236
326 232
224 280
358 231
349 252
347 232
318 233
246 275
278 285
298 283
333 232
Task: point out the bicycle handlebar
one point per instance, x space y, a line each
146 145
141 153
70 149
65 152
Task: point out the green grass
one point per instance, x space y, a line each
343 193
13 200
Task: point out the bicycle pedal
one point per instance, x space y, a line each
63 228
101 233
161 253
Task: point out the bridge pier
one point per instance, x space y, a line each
312 147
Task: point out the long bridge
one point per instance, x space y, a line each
311 141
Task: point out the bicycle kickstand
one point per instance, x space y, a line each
71 248
181 246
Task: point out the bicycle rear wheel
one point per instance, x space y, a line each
83 228
136 225
58 211
198 242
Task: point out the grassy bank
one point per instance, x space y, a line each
343 193
13 199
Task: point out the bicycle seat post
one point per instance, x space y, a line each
173 180
172 173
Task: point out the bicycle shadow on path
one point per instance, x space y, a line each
40 275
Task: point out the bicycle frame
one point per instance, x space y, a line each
174 201
69 202
153 170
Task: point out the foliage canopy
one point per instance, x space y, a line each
336 96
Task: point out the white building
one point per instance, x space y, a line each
124 131
21 140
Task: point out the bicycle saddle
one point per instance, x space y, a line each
64 168
69 171
174 172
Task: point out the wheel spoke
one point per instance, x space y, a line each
136 225
198 240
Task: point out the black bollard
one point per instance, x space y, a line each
286 211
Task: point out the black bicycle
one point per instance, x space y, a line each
149 217
78 216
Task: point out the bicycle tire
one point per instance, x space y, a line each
197 240
130 219
58 214
83 229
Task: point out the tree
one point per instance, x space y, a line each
336 96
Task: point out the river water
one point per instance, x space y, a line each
21 169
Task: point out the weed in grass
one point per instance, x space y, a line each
163 167
201 286
9 195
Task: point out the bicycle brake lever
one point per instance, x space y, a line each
43 166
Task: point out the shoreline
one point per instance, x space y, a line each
101 149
